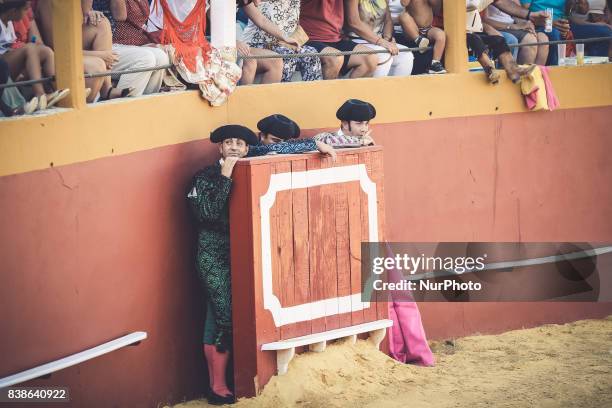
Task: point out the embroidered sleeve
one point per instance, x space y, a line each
292 147
208 196
338 141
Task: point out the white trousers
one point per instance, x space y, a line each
398 65
135 57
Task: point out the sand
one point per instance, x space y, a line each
548 366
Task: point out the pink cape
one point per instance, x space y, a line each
407 340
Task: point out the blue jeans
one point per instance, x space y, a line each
582 31
554 35
511 40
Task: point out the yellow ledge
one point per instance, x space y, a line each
127 126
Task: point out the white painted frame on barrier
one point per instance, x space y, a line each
303 179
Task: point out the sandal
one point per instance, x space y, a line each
57 96
522 72
25 109
42 102
492 75
125 93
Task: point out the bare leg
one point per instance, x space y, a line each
331 65
362 65
436 6
489 67
527 55
542 50
411 30
439 39
43 14
514 71
271 69
249 68
26 59
93 65
98 38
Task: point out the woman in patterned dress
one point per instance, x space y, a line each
276 20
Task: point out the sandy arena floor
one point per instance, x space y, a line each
566 365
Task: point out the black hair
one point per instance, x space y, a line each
7 5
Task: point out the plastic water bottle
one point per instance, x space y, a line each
549 20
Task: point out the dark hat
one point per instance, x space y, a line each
356 110
233 131
279 126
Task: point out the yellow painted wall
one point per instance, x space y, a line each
127 126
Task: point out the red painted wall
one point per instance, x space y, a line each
95 250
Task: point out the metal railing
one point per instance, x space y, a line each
298 55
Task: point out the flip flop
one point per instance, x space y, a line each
27 108
42 102
125 93
57 96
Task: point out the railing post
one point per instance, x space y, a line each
456 58
223 26
68 47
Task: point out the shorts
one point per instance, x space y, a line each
423 31
519 34
342 45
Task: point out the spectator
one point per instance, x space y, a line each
413 21
560 23
322 20
592 19
272 24
270 69
523 31
25 108
98 56
369 22
31 60
129 56
354 116
131 32
278 135
479 43
277 128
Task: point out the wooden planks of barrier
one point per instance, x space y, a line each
297 223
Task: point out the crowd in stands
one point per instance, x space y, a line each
123 35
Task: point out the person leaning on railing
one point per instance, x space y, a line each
354 116
33 60
592 19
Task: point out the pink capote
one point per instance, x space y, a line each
531 99
551 95
407 341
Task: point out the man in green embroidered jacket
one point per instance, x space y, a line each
209 201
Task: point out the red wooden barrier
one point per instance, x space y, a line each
297 223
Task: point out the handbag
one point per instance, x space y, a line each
300 35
